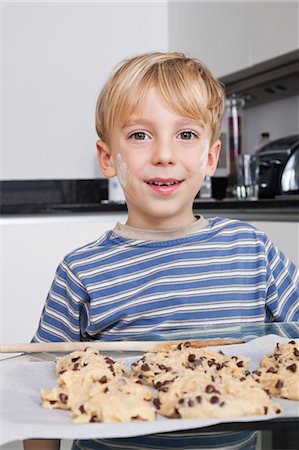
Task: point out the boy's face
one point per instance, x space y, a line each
161 160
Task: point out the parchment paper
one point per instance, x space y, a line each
23 417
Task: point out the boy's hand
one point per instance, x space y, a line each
41 444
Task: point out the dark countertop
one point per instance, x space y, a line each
266 210
66 197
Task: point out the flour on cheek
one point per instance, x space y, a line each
121 170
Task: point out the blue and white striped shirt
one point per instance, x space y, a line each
220 271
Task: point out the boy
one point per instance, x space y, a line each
158 119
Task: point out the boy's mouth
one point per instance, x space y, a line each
164 185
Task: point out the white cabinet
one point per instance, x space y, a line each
285 235
32 248
274 29
215 32
231 36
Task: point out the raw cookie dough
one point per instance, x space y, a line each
72 384
97 389
122 400
203 395
279 371
153 368
79 359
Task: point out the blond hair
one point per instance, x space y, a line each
186 84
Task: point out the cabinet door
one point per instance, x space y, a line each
215 32
285 235
31 252
274 29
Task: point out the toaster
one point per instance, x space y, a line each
279 167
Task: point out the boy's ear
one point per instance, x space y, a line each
213 158
105 159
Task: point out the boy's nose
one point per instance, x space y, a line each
163 153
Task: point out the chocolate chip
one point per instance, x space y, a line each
198 398
75 359
265 409
221 352
235 357
145 367
210 389
139 382
257 372
163 367
279 384
187 344
214 399
63 398
157 403
103 380
222 404
76 367
240 363
292 368
179 347
81 409
94 419
163 389
278 411
190 402
158 385
296 352
191 357
109 360
52 402
292 342
242 378
181 401
271 370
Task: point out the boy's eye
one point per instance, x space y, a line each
187 135
139 136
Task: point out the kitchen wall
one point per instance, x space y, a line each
56 57
280 118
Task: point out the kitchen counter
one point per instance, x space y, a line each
74 197
285 210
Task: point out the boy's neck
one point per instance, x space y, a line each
129 232
160 224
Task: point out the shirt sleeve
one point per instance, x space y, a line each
282 297
64 313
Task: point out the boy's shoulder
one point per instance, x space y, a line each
90 249
232 224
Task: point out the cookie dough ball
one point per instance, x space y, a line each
152 367
279 371
201 396
123 400
79 359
